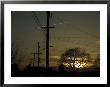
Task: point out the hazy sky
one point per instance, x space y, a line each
72 29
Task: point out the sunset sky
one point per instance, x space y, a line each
72 29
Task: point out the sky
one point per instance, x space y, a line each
72 29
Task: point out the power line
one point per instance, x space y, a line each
85 32
36 19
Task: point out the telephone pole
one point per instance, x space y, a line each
38 55
47 39
34 58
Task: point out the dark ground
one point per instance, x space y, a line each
61 72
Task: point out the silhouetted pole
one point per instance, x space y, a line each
38 54
34 58
47 38
47 41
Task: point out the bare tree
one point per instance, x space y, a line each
72 54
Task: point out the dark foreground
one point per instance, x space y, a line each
42 72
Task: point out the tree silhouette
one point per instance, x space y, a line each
70 55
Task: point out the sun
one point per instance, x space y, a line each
77 64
